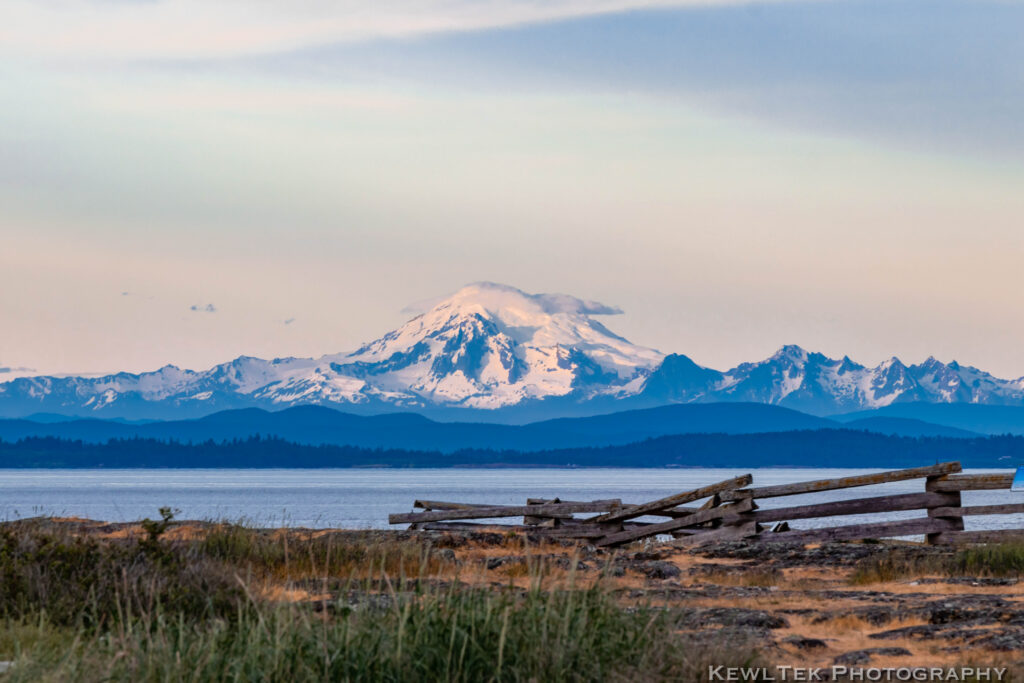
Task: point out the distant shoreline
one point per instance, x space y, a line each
446 467
811 448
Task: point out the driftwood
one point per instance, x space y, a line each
907 527
672 501
726 513
441 505
857 506
971 482
731 512
554 510
842 482
532 520
579 531
1008 509
746 529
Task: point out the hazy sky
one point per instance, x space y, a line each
185 181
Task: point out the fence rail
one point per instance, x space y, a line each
730 511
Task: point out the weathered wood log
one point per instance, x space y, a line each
468 526
858 506
531 520
443 505
557 510
725 533
956 521
971 482
725 513
548 501
841 482
1007 509
907 527
560 531
678 511
712 502
575 531
990 536
673 501
682 533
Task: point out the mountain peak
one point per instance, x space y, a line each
489 345
791 352
500 299
893 362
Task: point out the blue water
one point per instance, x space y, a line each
358 498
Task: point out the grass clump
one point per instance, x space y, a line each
295 555
994 560
999 559
898 563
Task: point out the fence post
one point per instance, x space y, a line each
533 520
956 523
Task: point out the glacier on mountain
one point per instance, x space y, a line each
491 347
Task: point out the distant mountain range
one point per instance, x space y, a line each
317 425
816 384
497 354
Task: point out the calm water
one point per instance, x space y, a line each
355 498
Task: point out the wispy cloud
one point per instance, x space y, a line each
199 308
289 321
921 74
198 28
7 371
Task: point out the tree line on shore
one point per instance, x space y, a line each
810 448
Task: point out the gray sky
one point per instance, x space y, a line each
184 181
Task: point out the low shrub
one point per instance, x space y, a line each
83 581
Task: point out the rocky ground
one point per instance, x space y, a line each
801 605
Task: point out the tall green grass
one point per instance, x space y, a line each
1000 559
457 635
147 609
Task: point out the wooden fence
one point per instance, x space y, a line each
730 511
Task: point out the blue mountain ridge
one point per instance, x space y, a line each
972 417
314 425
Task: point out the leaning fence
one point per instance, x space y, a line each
728 510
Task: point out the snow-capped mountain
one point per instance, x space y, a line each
491 345
816 384
497 349
487 346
